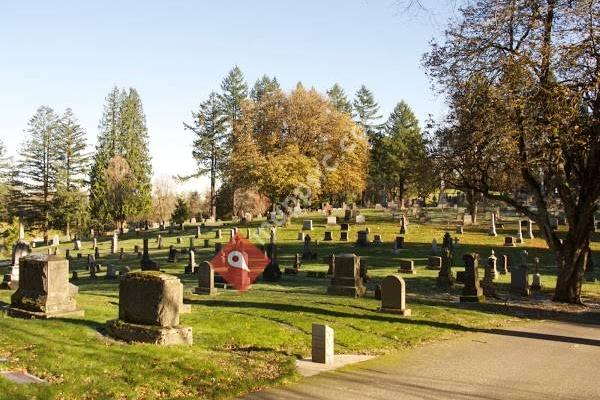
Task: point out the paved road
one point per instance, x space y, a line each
547 360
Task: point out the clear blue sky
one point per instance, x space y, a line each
70 54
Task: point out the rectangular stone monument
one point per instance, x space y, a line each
519 281
322 344
407 266
343 236
346 279
360 219
149 306
331 220
393 296
434 262
345 226
472 291
44 290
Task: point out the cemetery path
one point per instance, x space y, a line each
544 360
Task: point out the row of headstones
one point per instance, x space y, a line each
149 302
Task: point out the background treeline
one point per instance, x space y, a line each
260 147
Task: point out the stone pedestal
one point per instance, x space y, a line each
393 296
322 344
149 306
44 289
472 292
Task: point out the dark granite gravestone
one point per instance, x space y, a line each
393 295
146 263
519 277
343 236
328 236
407 266
362 239
399 242
445 277
472 291
434 262
149 306
345 226
346 276
44 290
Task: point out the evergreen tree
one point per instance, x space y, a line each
366 111
72 167
181 212
234 91
338 98
134 143
37 169
123 134
262 86
5 180
209 149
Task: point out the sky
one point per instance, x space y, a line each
71 53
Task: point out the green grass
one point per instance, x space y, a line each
243 342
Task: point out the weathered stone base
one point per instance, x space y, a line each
20 313
149 334
472 299
406 312
206 291
346 291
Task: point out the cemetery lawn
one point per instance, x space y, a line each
243 342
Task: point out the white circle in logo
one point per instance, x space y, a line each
236 260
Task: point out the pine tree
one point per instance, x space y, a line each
181 212
366 111
37 169
5 180
209 150
134 142
123 134
338 98
234 91
262 86
71 172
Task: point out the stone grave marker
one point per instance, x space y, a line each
331 220
149 306
434 262
536 281
407 266
328 236
377 239
493 226
519 277
472 291
114 244
301 236
360 219
146 263
393 296
509 241
445 278
206 279
307 225
44 290
322 344
362 239
343 236
346 279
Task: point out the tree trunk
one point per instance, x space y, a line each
571 261
473 204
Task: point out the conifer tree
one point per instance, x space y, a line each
5 180
262 86
181 212
234 91
37 168
71 172
366 111
209 149
338 98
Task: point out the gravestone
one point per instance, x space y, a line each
393 296
347 215
149 306
111 271
509 241
360 219
307 253
489 276
445 278
530 229
20 249
218 234
519 233
206 279
493 226
331 220
472 291
362 239
322 344
399 242
460 229
198 232
434 248
172 254
519 277
44 289
407 266
301 236
377 239
206 243
346 279
307 225
328 236
146 263
178 240
345 226
434 262
504 264
114 244
492 265
343 236
191 265
536 281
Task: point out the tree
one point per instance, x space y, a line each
181 212
5 181
72 167
262 86
37 168
521 78
121 189
234 91
366 111
163 199
209 148
338 98
123 133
